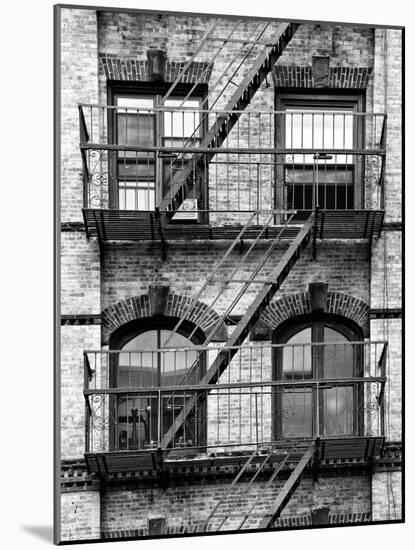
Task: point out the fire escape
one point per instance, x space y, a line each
221 185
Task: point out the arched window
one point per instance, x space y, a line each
324 349
141 419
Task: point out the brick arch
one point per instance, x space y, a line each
174 305
338 303
117 67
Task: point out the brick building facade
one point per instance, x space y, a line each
295 192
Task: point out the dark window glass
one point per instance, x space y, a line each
299 410
143 177
143 363
318 123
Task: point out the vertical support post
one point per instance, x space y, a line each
258 202
256 418
315 233
87 406
158 162
317 434
315 182
159 409
163 241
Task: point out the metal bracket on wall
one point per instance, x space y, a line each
316 214
99 236
317 461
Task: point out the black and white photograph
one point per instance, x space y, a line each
229 198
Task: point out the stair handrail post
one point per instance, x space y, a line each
256 419
159 411
317 434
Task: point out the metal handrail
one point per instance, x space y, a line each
202 388
233 111
246 346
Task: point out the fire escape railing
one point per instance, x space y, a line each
133 397
319 165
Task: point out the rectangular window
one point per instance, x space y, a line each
322 177
140 179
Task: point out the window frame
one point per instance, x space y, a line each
130 330
307 99
317 322
155 91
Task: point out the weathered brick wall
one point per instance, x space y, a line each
80 269
190 505
80 516
74 339
79 83
391 331
387 96
387 496
346 45
80 275
129 269
386 263
386 271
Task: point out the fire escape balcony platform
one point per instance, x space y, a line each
339 451
132 225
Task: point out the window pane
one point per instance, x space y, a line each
135 428
328 130
175 364
338 410
139 366
136 168
135 102
136 196
338 355
297 361
329 175
331 195
296 413
182 124
135 129
138 416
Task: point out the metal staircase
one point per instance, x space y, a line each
259 459
219 131
248 320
